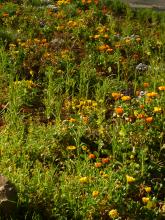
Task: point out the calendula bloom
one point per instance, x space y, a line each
138 39
109 50
140 116
103 47
96 36
125 98
91 156
145 199
148 189
95 193
127 40
71 147
62 2
72 120
85 119
157 109
84 179
106 36
151 94
163 208
72 23
98 164
161 88
105 160
149 119
113 213
145 84
116 95
130 179
84 148
119 110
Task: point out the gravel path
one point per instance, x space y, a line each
156 4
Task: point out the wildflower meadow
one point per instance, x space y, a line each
82 109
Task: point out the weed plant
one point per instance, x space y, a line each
82 109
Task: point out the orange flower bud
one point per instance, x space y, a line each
91 156
98 164
119 110
105 160
149 119
146 85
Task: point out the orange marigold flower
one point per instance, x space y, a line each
116 95
98 164
146 85
109 50
140 116
91 156
149 119
141 106
72 120
5 14
161 88
119 110
125 98
105 160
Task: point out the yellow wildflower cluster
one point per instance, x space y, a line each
63 2
113 213
72 24
148 189
145 199
157 109
105 47
71 147
125 98
151 94
130 179
84 179
161 88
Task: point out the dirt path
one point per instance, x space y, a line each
155 4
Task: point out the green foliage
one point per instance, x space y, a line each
82 109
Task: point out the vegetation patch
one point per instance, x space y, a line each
82 109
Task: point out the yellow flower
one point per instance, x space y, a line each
126 98
71 147
84 179
148 189
161 88
105 175
157 109
84 148
127 41
95 193
116 95
113 213
130 179
151 94
96 36
163 208
145 199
